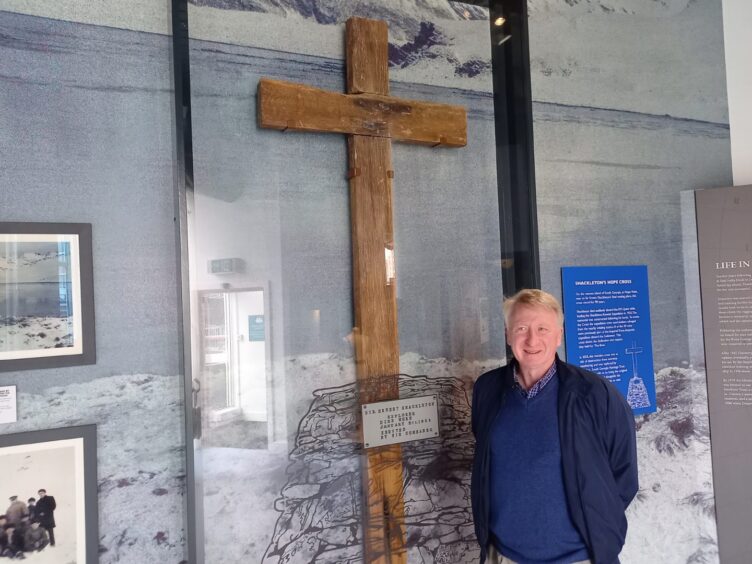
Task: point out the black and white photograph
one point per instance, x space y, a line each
48 496
46 301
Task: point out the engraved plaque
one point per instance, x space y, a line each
399 421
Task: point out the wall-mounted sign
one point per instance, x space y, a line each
724 237
607 328
226 266
8 412
399 421
256 328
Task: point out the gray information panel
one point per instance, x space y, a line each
724 232
399 421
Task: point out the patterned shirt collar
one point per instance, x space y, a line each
538 386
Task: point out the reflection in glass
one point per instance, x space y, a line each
233 367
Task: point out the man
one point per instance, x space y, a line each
31 508
21 529
16 510
15 543
45 509
555 455
35 538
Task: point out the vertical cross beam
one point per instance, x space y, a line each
374 288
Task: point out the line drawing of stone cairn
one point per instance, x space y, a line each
637 393
320 506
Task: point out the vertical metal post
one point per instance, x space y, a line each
515 160
183 186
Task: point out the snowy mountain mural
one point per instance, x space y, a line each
580 107
626 105
610 7
407 14
432 41
401 15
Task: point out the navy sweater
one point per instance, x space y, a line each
529 520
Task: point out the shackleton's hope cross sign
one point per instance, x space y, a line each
371 119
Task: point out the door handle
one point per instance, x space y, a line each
196 408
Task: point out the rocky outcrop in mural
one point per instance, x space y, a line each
320 505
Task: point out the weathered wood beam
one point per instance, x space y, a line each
376 337
374 284
288 106
367 56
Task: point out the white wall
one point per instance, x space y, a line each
737 28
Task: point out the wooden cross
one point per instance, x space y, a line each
371 119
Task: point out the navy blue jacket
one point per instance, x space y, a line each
598 453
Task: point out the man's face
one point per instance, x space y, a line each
42 493
534 334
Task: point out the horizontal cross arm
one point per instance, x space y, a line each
284 105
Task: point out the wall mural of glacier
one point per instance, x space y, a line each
621 128
437 42
317 512
87 136
629 110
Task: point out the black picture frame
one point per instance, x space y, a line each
63 461
31 337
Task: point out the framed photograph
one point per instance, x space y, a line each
48 493
46 295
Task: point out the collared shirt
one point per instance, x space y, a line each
538 386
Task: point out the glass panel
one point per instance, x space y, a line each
280 461
623 128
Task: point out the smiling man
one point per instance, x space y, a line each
555 454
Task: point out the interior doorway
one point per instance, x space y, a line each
234 360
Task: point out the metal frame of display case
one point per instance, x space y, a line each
183 187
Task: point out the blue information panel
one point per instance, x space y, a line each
256 328
607 328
